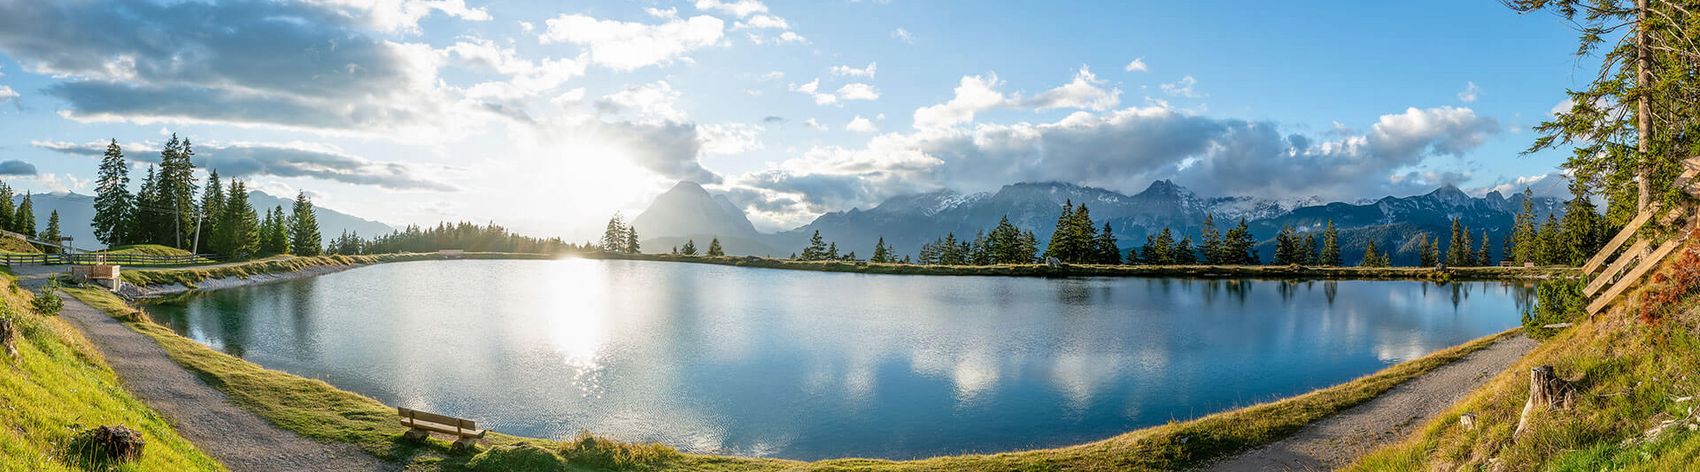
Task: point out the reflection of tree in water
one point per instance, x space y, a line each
1330 289
1287 288
231 309
1460 292
295 302
1522 294
1074 292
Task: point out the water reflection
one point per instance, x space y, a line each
810 365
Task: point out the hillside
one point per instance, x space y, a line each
1633 369
59 386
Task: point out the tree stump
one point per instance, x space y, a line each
1546 392
113 443
9 336
1467 421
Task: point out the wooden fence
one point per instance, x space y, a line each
93 258
1626 268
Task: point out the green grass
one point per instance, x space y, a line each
318 410
17 246
1107 270
147 250
1630 375
60 385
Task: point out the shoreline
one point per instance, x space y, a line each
1291 272
155 283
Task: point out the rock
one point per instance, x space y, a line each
415 435
112 443
1053 263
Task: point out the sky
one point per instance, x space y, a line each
548 117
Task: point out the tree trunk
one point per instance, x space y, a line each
9 336
1644 115
1546 392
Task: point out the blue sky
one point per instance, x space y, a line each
549 116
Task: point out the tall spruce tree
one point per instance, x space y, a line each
1551 244
1183 253
24 220
1428 248
1484 256
614 237
112 200
8 208
1107 250
1374 257
212 205
1063 238
144 223
1525 241
714 249
816 249
51 234
239 228
1307 251
689 249
1330 247
1584 230
632 246
1238 246
1287 250
1211 242
304 238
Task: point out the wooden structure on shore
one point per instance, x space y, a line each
1611 272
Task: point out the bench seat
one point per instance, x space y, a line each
419 420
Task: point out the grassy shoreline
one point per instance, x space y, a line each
321 411
191 276
1105 270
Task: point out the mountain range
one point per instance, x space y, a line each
688 211
76 216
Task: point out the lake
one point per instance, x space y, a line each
810 365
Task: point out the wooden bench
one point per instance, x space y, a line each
420 424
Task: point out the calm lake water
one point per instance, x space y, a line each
812 365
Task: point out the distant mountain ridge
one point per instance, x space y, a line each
907 221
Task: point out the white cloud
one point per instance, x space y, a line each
1182 88
1562 107
7 94
814 124
527 27
1137 65
730 138
772 75
974 94
666 13
643 102
861 125
762 22
622 45
849 71
903 35
738 8
402 16
1471 91
1083 92
858 91
792 37
285 159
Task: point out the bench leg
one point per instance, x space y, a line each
415 435
464 445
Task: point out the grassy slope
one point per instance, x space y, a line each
15 245
190 276
60 385
1631 377
147 250
318 410
1077 270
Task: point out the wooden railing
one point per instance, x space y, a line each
1606 281
94 258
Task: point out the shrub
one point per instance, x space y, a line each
1670 288
48 302
590 451
1556 301
521 458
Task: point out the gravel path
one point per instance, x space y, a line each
241 440
1337 440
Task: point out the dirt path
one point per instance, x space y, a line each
1337 440
241 440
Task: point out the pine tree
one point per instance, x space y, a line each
631 246
816 249
714 249
1238 245
1484 256
8 208
274 233
1029 249
1551 244
1183 253
51 234
145 222
304 239
1330 247
1584 230
1308 251
1458 248
112 199
1211 246
980 254
1083 248
1108 251
832 251
176 182
614 237
1062 237
1287 250
1372 257
690 248
1428 251
212 205
1524 242
24 221
238 229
